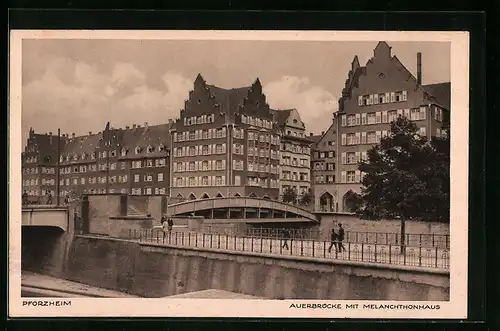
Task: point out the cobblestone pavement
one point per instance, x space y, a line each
428 257
43 282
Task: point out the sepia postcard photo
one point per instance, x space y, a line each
238 174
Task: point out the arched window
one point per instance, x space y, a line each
161 148
150 149
123 152
137 150
326 202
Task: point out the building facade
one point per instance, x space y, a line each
39 162
295 161
225 143
133 161
323 171
373 97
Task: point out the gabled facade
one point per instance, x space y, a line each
39 161
130 161
374 96
323 172
225 143
295 150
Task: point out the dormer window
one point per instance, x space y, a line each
124 152
113 153
68 158
137 150
61 159
92 156
150 149
161 148
84 156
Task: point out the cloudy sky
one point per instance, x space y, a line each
78 85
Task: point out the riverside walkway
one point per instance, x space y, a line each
411 256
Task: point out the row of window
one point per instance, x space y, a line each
295 148
31 159
301 190
264 138
387 116
259 167
381 98
295 133
199 150
262 182
288 175
206 165
353 157
321 166
200 134
254 151
324 155
372 137
203 119
113 153
36 192
255 121
294 162
351 176
321 179
200 181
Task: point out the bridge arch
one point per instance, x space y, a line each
242 209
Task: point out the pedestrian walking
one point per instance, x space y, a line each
25 198
287 235
66 199
170 223
49 198
333 241
341 236
164 225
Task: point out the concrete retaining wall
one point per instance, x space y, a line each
157 271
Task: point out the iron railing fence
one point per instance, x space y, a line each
416 256
359 237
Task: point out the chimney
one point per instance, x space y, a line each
419 68
322 132
146 125
133 126
138 126
170 121
127 127
50 133
73 135
90 133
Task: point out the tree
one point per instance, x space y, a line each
306 198
406 177
289 195
353 201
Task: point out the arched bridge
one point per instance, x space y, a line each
45 216
242 208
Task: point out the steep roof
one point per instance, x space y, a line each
281 115
79 145
229 99
153 135
441 92
315 138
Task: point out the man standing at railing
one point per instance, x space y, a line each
170 224
341 236
286 235
164 226
333 241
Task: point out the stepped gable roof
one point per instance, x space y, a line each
229 99
78 145
142 137
281 115
441 92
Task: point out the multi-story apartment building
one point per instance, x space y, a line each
39 161
225 143
323 160
374 96
295 159
131 160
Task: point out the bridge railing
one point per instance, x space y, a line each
407 255
359 237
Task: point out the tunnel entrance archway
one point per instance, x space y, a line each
42 248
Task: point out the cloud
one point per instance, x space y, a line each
314 103
77 97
